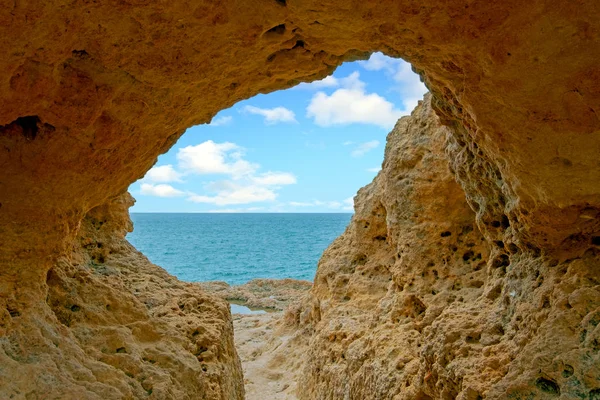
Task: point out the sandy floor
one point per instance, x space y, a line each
267 354
269 350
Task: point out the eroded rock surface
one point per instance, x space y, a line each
92 92
414 302
272 294
116 326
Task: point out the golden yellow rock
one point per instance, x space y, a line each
92 92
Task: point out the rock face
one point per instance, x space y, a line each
126 329
413 301
92 92
271 294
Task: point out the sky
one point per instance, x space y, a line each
305 149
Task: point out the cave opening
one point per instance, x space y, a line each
246 205
296 156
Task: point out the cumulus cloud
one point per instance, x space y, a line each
161 190
274 179
328 82
273 115
301 204
215 158
234 193
163 173
409 85
225 120
364 148
374 169
346 204
244 183
352 104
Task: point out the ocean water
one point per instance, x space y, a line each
236 248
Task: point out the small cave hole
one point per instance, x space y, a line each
75 308
445 234
594 394
568 371
499 243
28 125
596 240
299 43
495 224
468 255
501 261
121 350
548 386
282 2
13 312
278 30
80 53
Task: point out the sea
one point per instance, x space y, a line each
236 248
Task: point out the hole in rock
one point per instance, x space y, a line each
262 190
548 386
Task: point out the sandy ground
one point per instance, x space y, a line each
270 350
269 371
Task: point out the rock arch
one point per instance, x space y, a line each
92 93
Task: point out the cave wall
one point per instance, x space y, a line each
414 301
91 93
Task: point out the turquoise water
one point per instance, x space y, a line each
236 248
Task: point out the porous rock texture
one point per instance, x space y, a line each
413 301
126 328
266 294
92 92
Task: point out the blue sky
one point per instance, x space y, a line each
304 149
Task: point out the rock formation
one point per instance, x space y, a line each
126 328
267 294
414 302
92 92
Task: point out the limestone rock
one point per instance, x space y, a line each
274 294
118 327
92 92
413 302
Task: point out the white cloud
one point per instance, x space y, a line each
225 120
351 104
273 115
409 86
348 143
346 204
274 179
161 190
301 204
364 148
236 210
215 158
244 185
163 173
235 194
328 82
379 61
374 169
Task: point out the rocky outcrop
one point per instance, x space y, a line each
118 327
92 92
413 301
272 294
